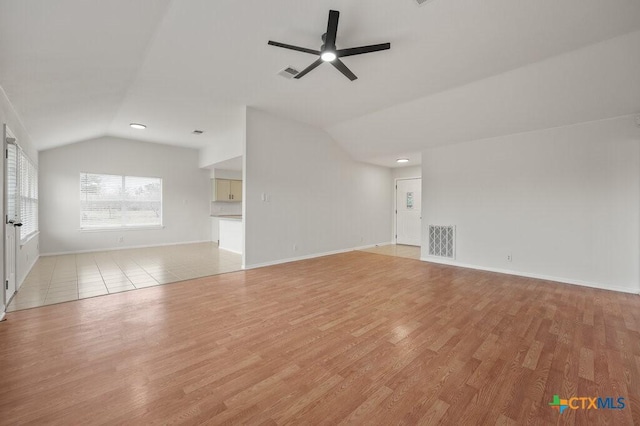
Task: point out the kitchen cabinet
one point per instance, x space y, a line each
215 229
226 190
231 234
236 190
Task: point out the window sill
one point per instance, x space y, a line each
29 238
121 228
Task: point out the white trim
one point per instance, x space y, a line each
229 250
29 238
122 228
531 275
122 248
29 268
3 291
391 243
21 153
2 313
368 246
312 256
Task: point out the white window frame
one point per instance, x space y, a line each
123 226
27 197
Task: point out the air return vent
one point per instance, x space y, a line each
289 72
442 241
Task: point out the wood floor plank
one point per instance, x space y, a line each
586 364
436 411
354 338
533 354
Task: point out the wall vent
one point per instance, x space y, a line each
289 72
198 132
442 241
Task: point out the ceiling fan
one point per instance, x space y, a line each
328 51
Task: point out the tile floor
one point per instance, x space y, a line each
56 279
399 250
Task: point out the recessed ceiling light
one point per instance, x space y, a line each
402 160
138 126
328 56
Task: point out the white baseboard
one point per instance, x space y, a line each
311 256
29 268
123 248
19 284
386 243
229 250
531 275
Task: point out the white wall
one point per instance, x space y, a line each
225 208
406 172
226 174
28 253
229 140
185 187
319 199
565 202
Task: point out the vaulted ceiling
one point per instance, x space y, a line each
457 69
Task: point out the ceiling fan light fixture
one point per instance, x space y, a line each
328 56
328 51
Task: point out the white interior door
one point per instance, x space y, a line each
408 211
11 214
10 265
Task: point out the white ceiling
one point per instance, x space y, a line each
457 69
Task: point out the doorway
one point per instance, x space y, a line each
409 211
11 219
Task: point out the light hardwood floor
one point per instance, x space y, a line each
355 338
56 279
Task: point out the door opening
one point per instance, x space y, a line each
11 219
409 211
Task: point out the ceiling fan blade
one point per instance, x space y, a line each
343 69
363 49
309 68
332 29
297 48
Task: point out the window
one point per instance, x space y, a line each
113 201
28 197
13 199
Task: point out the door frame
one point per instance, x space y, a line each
395 207
6 134
2 231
